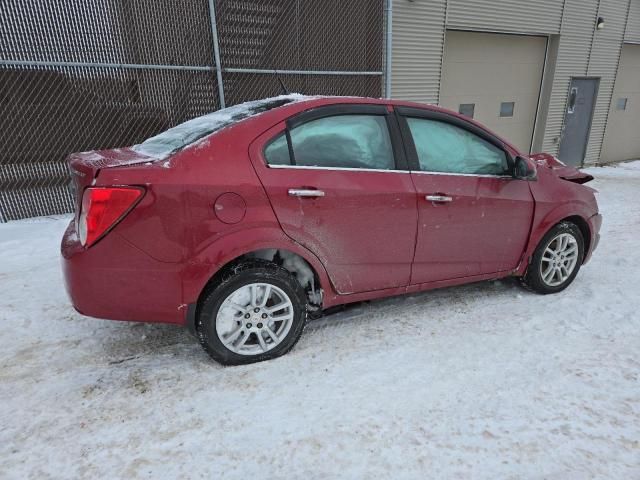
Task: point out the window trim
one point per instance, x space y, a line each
334 111
402 113
393 129
347 169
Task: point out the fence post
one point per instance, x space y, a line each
387 52
216 52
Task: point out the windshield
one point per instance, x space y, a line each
180 136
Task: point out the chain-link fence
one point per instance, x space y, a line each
98 74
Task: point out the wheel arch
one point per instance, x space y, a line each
210 266
293 262
583 225
566 213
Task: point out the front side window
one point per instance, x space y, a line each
343 141
443 147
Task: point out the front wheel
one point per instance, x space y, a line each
557 259
257 312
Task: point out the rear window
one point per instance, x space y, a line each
180 136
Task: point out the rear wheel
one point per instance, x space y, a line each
257 312
557 260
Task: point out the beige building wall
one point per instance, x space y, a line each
622 138
487 69
578 50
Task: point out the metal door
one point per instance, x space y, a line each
577 120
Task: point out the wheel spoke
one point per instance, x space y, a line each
280 318
557 277
564 272
237 307
263 344
243 340
549 251
547 276
233 336
563 243
278 307
266 295
254 294
272 334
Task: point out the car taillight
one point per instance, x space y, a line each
102 208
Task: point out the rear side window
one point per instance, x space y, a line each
344 141
176 138
277 151
442 147
339 141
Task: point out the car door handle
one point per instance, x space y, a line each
302 192
438 198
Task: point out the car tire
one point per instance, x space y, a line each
556 261
236 325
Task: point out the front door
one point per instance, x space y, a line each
473 217
577 120
334 185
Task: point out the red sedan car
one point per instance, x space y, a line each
242 223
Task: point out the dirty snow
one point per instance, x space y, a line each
485 381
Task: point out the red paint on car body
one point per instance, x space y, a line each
372 235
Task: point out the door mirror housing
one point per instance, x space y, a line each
524 169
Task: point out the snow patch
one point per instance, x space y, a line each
464 382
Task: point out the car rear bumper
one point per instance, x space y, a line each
595 222
116 280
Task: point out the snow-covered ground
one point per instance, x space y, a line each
485 381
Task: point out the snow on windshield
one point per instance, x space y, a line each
178 137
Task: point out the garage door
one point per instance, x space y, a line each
495 79
621 140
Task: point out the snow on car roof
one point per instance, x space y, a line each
164 144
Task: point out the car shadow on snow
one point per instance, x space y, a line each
129 341
458 299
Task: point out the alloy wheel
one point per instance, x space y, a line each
559 259
254 319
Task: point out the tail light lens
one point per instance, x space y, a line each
102 208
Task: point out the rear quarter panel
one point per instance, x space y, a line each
156 224
217 166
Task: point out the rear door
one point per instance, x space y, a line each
473 217
337 182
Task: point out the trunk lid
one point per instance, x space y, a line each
560 169
85 166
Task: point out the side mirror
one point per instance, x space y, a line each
523 169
